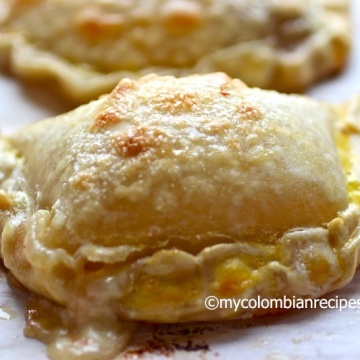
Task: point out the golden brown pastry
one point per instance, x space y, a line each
141 204
89 45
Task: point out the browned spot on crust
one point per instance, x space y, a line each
94 26
105 119
113 114
175 103
133 145
181 17
224 93
249 112
224 90
139 140
124 87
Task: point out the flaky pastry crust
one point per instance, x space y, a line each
89 45
141 204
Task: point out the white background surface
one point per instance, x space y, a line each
299 334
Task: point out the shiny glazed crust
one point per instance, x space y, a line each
88 46
141 204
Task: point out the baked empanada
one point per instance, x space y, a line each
89 45
141 204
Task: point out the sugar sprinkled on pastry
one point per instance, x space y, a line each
89 45
141 204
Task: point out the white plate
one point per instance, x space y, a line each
298 334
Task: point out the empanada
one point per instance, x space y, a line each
141 204
89 45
